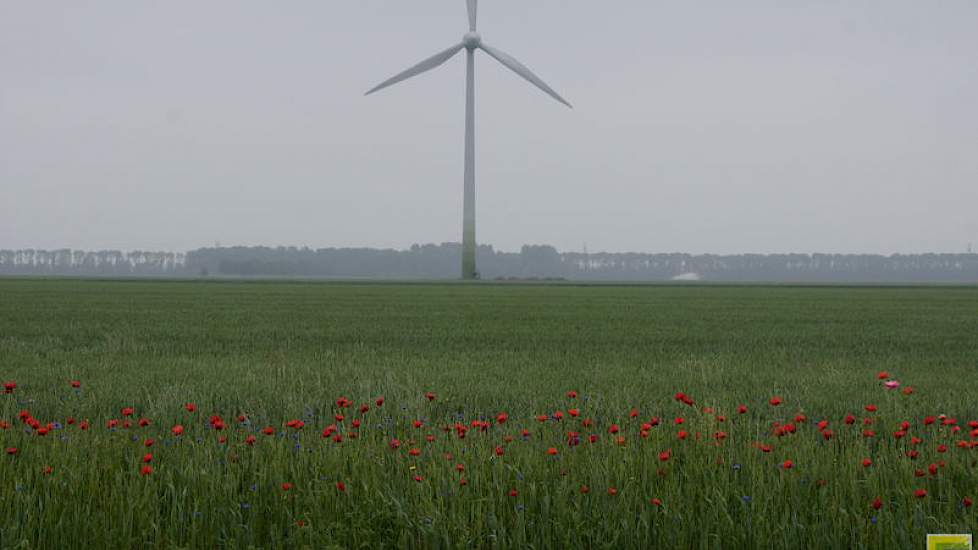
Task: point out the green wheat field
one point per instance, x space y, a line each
149 414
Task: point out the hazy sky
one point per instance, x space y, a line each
722 127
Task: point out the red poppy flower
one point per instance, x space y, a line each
883 375
415 452
418 479
612 491
869 433
907 390
287 486
75 384
932 469
380 401
84 425
585 489
128 411
250 440
682 435
788 464
574 412
463 482
542 418
572 394
514 493
593 438
634 413
268 430
680 420
9 387
500 451
364 409
559 415
501 418
800 418
113 423
430 396
48 470
827 434
871 408
913 454
742 409
850 419
356 423
12 451
191 407
613 429
920 493
460 467
552 451
942 448
43 431
143 422
775 401
665 455
149 442
656 502
148 457
967 502
340 486
147 470
877 503
339 418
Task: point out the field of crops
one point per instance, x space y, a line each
234 414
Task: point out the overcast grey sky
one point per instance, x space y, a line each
719 127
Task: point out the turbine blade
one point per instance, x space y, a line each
520 69
473 13
424 66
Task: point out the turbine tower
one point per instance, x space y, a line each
471 42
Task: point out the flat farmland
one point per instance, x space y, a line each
452 415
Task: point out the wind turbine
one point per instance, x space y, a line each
471 42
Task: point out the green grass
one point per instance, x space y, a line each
278 351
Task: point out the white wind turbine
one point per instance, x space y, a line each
470 42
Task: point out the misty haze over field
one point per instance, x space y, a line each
715 127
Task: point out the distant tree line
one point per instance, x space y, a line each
531 262
91 263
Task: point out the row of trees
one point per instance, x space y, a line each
90 263
443 261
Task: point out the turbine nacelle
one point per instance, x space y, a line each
472 40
